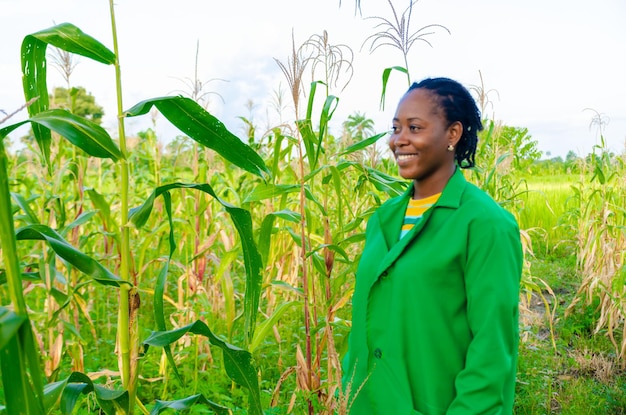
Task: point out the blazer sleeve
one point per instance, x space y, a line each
493 270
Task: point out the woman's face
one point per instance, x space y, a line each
420 138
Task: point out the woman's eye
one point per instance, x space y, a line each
414 128
394 130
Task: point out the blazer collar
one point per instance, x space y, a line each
392 213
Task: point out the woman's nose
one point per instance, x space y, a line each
397 139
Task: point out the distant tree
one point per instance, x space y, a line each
521 145
571 156
75 100
572 162
358 127
78 101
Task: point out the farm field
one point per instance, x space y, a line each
209 273
574 369
565 365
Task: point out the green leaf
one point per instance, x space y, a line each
362 144
30 216
70 38
264 191
67 252
66 393
386 73
330 105
159 290
385 183
84 134
187 403
100 203
9 325
332 247
66 37
308 138
265 327
243 223
237 362
267 226
80 220
19 357
35 88
21 374
190 118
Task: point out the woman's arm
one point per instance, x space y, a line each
492 278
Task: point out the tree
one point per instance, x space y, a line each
520 144
358 127
78 101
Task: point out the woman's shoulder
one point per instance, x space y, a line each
476 200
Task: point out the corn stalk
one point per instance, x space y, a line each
601 245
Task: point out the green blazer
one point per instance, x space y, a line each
435 314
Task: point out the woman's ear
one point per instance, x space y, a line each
455 131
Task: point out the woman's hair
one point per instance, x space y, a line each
458 105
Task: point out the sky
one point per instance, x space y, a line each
551 65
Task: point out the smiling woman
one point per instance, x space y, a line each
435 308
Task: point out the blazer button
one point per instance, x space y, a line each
378 353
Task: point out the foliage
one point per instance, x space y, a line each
220 289
79 102
27 395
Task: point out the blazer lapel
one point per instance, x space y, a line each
393 215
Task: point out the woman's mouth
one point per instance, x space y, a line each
404 157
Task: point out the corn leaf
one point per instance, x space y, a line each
190 118
21 374
267 227
70 38
9 325
66 37
85 134
243 223
19 356
67 252
187 403
29 216
309 139
268 190
330 105
237 362
104 209
362 144
386 74
66 392
264 328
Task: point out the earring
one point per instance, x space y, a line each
450 147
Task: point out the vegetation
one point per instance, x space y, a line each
125 288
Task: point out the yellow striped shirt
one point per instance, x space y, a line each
414 211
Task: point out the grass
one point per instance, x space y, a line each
580 376
546 204
580 372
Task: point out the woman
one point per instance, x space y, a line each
435 308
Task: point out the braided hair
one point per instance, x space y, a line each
458 105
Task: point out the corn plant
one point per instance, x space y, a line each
601 243
396 32
23 381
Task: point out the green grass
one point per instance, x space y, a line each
581 375
546 205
